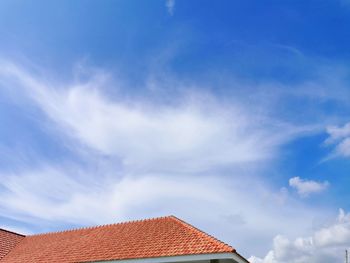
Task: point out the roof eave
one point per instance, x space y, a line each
183 258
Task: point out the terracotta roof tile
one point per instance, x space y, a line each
165 236
8 240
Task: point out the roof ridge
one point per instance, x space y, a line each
12 232
201 232
165 236
99 226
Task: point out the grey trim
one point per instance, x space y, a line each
232 256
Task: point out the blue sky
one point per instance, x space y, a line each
233 116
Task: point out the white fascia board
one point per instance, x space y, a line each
186 258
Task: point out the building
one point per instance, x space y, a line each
157 240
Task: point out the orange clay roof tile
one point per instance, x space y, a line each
8 240
157 237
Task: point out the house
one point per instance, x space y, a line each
157 240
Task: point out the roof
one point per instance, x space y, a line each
8 240
149 238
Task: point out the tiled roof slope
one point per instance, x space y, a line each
165 236
8 240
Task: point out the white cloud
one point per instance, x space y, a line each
338 133
196 135
72 195
166 159
337 234
226 208
306 187
170 5
340 137
326 245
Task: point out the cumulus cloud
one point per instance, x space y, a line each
340 137
306 187
326 245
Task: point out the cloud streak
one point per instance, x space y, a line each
194 135
339 136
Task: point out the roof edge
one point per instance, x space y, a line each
241 257
179 258
184 223
12 232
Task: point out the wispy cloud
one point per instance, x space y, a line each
340 137
69 194
195 135
170 5
163 159
306 187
